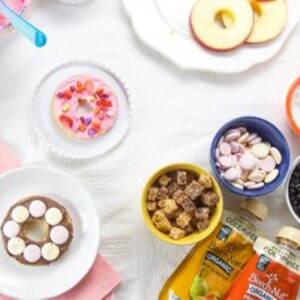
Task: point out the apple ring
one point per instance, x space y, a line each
269 22
210 34
37 231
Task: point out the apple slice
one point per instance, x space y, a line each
208 33
270 19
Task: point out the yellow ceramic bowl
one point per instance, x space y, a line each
195 236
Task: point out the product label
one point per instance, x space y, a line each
272 274
210 267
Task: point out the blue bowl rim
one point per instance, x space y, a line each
248 193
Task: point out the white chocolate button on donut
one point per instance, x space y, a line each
50 251
32 253
59 235
53 216
16 246
11 229
37 208
20 214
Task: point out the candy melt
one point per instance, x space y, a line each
245 160
37 208
59 235
53 216
16 246
50 252
32 253
11 229
20 214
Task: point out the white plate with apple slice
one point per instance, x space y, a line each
164 25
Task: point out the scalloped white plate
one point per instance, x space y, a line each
47 131
29 282
164 26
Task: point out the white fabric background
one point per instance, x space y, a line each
175 116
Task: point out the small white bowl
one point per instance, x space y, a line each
287 197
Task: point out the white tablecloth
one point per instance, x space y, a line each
175 116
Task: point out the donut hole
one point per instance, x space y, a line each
36 230
224 14
83 108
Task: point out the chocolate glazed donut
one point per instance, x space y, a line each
37 231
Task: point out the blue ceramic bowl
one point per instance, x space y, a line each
269 133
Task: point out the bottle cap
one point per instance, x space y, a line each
290 234
254 208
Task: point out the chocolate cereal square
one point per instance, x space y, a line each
176 233
205 181
183 219
210 198
170 206
173 187
163 193
164 180
202 213
188 205
180 196
152 194
161 222
202 225
194 190
151 206
182 177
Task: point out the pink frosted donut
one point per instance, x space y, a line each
84 107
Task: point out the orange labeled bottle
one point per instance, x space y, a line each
211 266
274 271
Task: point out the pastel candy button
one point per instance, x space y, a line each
234 147
20 214
59 235
16 246
271 176
247 162
226 161
243 138
257 176
260 150
276 155
233 136
251 137
50 251
11 229
225 149
256 141
53 216
37 208
268 164
232 174
32 253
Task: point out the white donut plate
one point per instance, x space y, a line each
42 282
164 26
53 138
